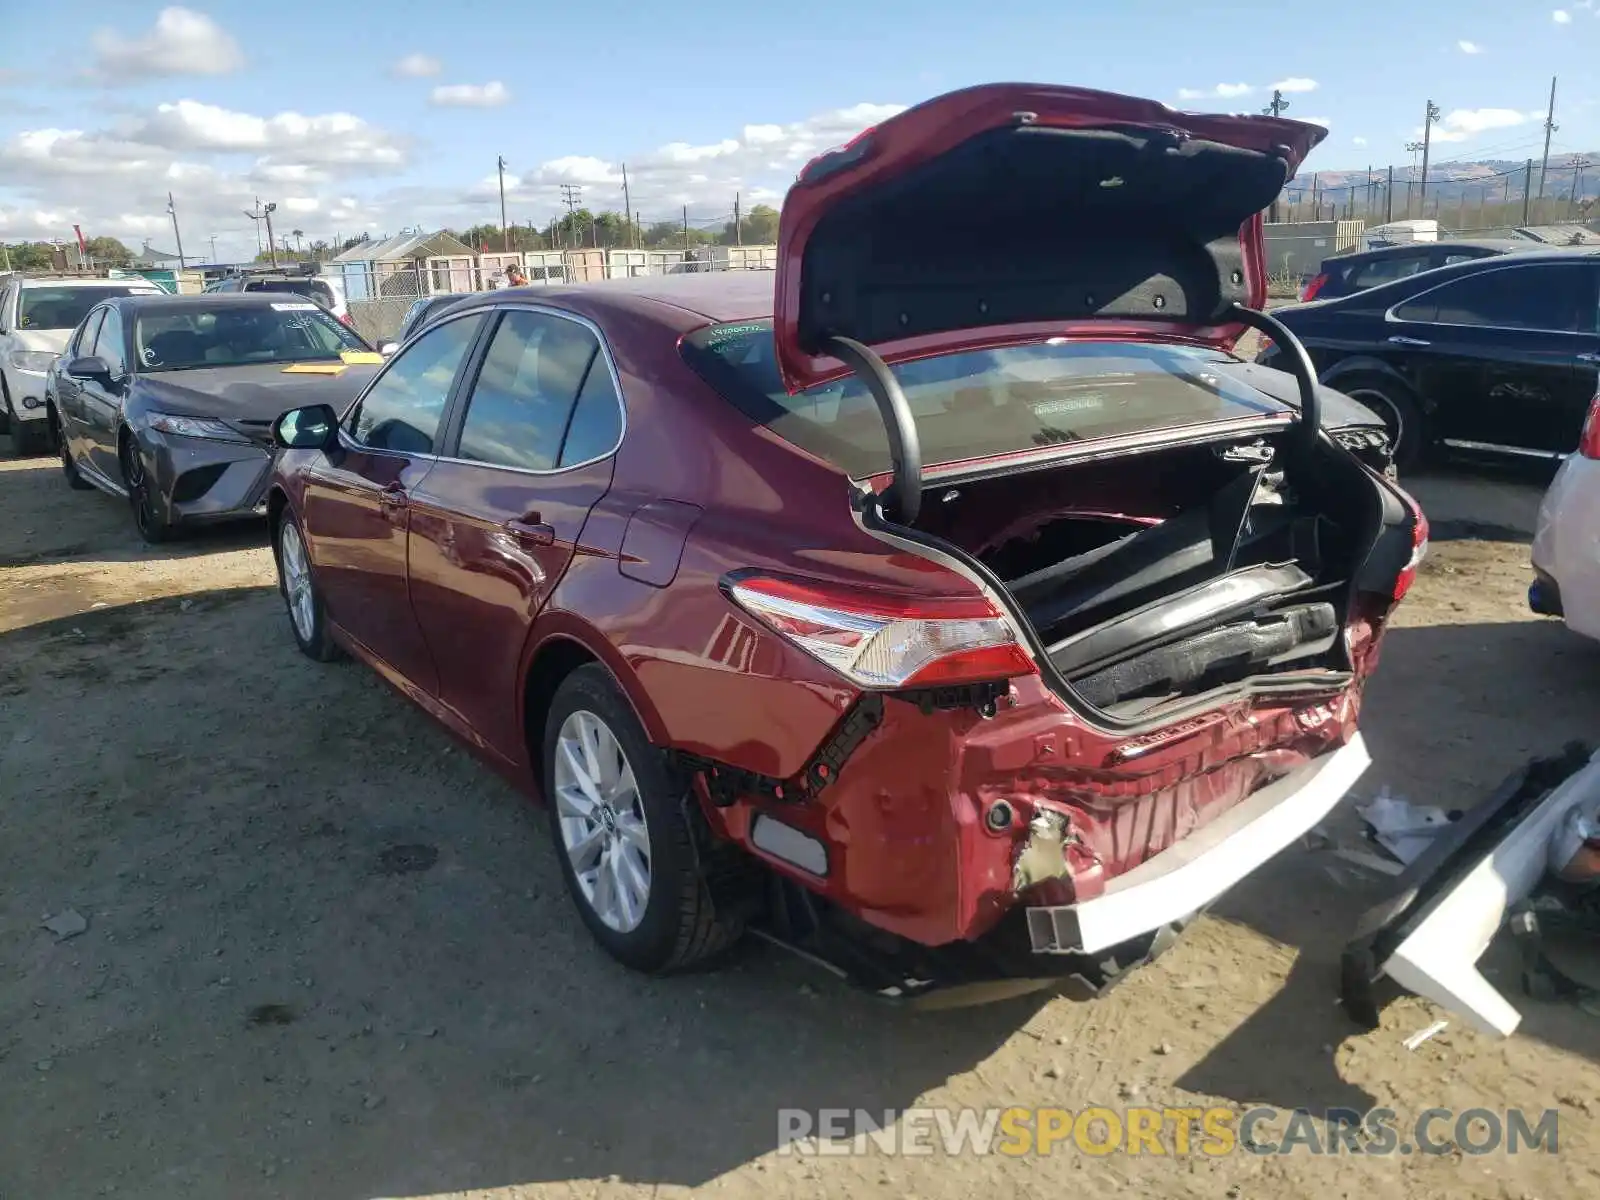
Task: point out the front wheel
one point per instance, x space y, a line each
148 518
308 620
623 834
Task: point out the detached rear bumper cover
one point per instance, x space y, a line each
1188 876
1429 935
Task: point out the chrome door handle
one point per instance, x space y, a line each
532 531
1405 341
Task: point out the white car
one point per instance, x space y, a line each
1566 543
37 316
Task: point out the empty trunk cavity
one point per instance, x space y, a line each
1157 576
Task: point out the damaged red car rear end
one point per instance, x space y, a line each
1099 628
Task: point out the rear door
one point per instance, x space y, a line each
101 401
357 504
1505 356
495 523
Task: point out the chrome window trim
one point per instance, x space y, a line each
1577 261
611 368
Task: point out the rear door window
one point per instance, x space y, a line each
980 403
1387 269
521 407
1558 297
83 341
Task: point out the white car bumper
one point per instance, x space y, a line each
1566 545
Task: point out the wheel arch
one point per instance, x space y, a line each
559 644
1366 364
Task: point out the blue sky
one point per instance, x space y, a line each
362 115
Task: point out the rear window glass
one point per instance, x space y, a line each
314 288
981 403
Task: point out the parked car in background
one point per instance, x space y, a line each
424 310
37 315
916 607
1346 274
169 401
326 290
1566 544
1496 355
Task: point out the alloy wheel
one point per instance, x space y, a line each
297 581
603 829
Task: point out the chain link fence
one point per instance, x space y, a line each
379 294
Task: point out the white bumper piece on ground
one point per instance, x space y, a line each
1439 957
1188 876
1566 544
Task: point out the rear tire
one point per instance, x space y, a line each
620 820
1409 435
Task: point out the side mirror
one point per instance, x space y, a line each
388 348
89 366
315 427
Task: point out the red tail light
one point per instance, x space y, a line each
886 642
1589 443
345 317
1419 549
1312 288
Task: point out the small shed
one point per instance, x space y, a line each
399 267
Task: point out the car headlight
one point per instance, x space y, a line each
194 427
36 361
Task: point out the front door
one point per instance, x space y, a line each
69 391
1501 353
494 526
100 400
357 504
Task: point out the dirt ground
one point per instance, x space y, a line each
329 955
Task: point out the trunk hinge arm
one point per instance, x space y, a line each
905 448
1299 365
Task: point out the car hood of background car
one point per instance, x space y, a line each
256 392
1010 212
52 341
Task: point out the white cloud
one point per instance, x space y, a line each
1561 17
1467 47
1462 124
471 95
182 42
1358 141
417 66
1221 91
1295 83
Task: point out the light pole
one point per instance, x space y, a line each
1416 149
172 211
272 247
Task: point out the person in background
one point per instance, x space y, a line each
515 276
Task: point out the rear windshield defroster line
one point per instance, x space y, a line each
980 403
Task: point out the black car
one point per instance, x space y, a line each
1497 354
424 310
169 400
1346 274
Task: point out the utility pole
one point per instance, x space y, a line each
1576 195
1277 105
1316 201
1414 148
505 231
255 215
571 192
1550 127
738 233
272 247
627 210
172 211
1388 197
1428 120
1527 190
213 248
686 230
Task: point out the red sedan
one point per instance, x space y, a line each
959 611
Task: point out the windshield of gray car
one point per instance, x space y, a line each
233 335
981 403
65 307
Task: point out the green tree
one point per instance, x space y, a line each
108 251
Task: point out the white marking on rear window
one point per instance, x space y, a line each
294 308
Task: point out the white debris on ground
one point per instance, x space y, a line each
1402 828
67 923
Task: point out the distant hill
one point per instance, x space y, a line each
1453 182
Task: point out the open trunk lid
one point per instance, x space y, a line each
1012 212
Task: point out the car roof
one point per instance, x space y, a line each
68 281
685 301
1497 245
205 300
